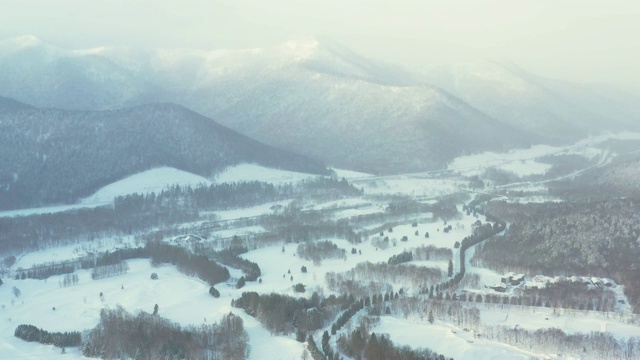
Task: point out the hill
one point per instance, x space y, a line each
55 156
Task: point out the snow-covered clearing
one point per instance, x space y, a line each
253 172
154 180
257 210
51 209
350 175
570 321
440 337
523 162
73 251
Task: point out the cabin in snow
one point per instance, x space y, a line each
512 279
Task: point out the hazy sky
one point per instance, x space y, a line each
579 40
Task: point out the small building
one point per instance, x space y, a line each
517 279
499 288
506 279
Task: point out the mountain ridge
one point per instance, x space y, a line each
319 99
59 156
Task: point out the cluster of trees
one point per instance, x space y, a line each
234 195
231 257
31 333
403 257
44 271
282 314
294 225
596 345
431 252
114 257
145 336
69 280
346 316
39 232
101 272
382 243
138 214
480 234
366 346
193 265
580 238
320 250
568 295
368 278
316 354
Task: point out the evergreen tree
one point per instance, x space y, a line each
430 318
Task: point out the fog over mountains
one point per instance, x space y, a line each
320 100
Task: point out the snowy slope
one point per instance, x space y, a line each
253 172
154 180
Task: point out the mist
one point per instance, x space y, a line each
578 41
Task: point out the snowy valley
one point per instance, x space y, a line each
357 253
174 186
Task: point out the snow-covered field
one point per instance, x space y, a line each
180 298
524 162
253 172
154 180
440 337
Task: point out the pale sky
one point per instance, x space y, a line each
593 41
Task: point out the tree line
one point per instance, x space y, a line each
147 337
59 339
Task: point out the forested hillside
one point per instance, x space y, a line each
583 239
57 156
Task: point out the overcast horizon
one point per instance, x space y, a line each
586 42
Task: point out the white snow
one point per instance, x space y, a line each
349 174
78 307
252 172
440 338
50 209
522 162
154 180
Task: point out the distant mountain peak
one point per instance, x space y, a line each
300 49
21 42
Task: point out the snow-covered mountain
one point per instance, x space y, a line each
53 156
554 109
320 99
